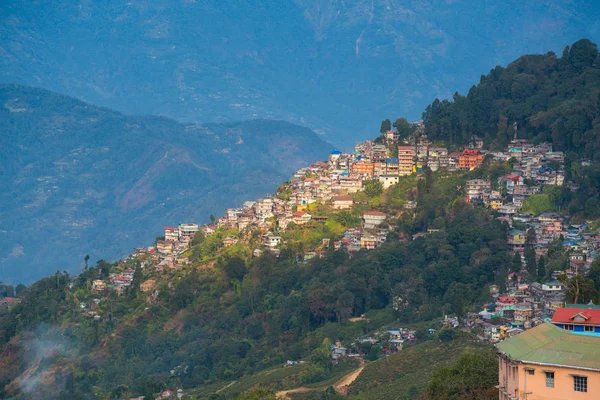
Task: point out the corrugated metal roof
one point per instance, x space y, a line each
548 344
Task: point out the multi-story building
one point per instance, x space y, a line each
470 159
187 231
171 234
363 167
388 180
350 185
406 156
547 362
578 320
372 219
164 247
368 242
264 208
391 166
342 202
475 188
391 136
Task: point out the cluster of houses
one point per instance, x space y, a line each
581 244
165 255
334 182
331 183
507 315
390 341
526 305
534 166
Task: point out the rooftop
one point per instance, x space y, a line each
547 344
577 315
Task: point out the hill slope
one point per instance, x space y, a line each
551 98
335 66
79 179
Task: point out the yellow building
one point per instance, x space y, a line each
550 363
493 203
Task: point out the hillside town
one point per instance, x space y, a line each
522 304
325 190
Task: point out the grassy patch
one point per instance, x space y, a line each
279 378
393 377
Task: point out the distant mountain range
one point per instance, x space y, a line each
338 67
79 179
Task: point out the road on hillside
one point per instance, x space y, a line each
340 386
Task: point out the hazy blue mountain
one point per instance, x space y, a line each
79 179
336 66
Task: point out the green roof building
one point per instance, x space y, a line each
547 362
548 344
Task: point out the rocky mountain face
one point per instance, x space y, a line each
79 179
336 66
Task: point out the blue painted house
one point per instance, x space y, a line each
578 320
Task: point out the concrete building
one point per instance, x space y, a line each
547 362
372 219
342 202
164 247
406 155
388 180
475 188
470 159
171 234
364 168
187 231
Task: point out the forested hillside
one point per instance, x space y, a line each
230 318
242 316
551 98
79 179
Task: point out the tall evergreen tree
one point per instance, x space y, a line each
386 125
541 269
516 264
530 261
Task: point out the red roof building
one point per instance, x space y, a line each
578 320
584 316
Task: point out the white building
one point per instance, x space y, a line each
388 180
475 188
372 219
187 231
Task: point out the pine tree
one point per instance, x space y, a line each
541 270
516 263
386 125
530 261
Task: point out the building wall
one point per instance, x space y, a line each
535 385
508 378
578 328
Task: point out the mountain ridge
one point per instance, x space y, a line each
73 158
333 66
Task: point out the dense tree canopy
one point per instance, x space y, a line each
550 98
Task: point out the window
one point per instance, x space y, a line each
580 383
549 379
530 371
588 328
569 327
